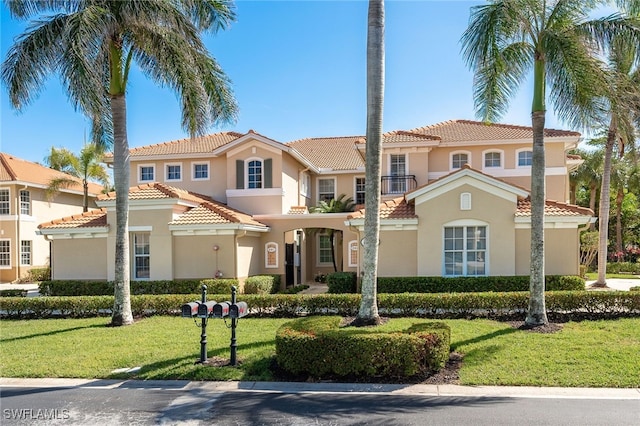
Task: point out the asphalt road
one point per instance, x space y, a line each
185 403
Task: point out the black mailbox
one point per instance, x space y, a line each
221 310
190 309
206 309
238 310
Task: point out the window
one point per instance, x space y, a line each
353 253
174 172
360 190
254 174
459 160
4 201
271 255
141 256
5 254
201 171
492 159
398 170
465 250
324 250
25 202
305 185
146 173
525 158
465 201
326 189
25 252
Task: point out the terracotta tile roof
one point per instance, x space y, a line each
91 219
16 169
298 210
197 145
401 136
398 208
157 191
553 208
213 213
467 130
337 153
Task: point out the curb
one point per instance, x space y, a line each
352 388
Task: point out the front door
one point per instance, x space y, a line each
289 265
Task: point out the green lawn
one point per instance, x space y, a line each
597 354
594 276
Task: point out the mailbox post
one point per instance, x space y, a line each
203 336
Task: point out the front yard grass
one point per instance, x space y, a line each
588 353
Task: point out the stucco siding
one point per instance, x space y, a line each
561 251
67 265
195 257
397 254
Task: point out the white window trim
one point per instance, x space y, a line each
335 184
166 172
353 246
10 255
139 176
465 201
355 187
30 253
491 151
30 205
465 223
318 262
9 199
193 170
305 185
406 163
267 246
518 151
134 255
246 172
451 154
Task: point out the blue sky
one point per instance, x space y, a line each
298 70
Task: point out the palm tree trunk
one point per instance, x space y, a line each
605 205
122 314
619 200
85 195
368 313
593 193
333 250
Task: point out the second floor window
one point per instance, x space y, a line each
4 201
25 252
25 203
146 174
326 189
398 169
254 174
201 171
459 160
174 172
360 190
492 159
525 158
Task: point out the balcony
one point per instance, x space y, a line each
397 184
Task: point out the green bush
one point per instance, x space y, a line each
561 305
474 284
261 284
104 288
636 288
219 285
623 267
317 346
39 274
342 282
13 292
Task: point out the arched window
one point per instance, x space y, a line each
525 158
353 253
271 255
254 174
459 159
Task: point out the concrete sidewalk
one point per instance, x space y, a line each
355 388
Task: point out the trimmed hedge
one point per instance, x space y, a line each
262 284
561 305
474 284
319 347
623 267
104 288
342 282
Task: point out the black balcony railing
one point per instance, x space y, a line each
398 184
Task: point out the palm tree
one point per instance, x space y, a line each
589 175
91 45
368 312
623 99
87 167
504 41
336 205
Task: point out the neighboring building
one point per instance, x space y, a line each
23 205
455 202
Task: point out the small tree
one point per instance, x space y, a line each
335 205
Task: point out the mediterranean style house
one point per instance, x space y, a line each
23 205
455 203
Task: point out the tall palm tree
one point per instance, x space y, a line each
368 312
91 45
623 99
555 40
87 167
588 175
336 205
